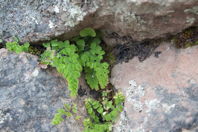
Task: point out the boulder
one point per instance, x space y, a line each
30 96
161 91
35 20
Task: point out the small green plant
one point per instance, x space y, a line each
15 47
102 113
83 54
63 56
65 112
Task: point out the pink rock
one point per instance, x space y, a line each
161 92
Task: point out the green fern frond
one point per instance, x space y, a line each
87 32
15 47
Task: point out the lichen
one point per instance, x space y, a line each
152 104
193 10
4 116
134 93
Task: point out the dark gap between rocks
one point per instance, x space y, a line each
128 51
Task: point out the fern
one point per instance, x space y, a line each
103 113
66 111
87 32
63 56
15 47
85 54
69 59
96 72
89 126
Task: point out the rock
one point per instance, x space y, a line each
119 20
30 96
147 19
31 20
161 92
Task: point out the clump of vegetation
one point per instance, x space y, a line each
15 47
65 112
102 113
82 54
187 38
63 56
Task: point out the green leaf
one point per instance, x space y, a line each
58 117
100 110
97 41
91 79
54 43
102 74
46 45
119 98
67 107
68 114
15 47
87 32
81 44
77 117
70 59
74 108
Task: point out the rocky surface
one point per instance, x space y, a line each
39 20
161 92
30 96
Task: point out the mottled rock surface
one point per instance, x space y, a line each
38 20
30 96
161 92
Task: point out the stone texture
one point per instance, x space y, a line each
39 20
30 96
161 92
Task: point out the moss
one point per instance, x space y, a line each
187 38
111 59
34 51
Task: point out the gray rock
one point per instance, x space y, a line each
36 20
30 96
161 92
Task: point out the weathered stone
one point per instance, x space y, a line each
161 92
31 20
36 20
30 96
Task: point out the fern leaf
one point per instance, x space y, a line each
91 79
87 32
